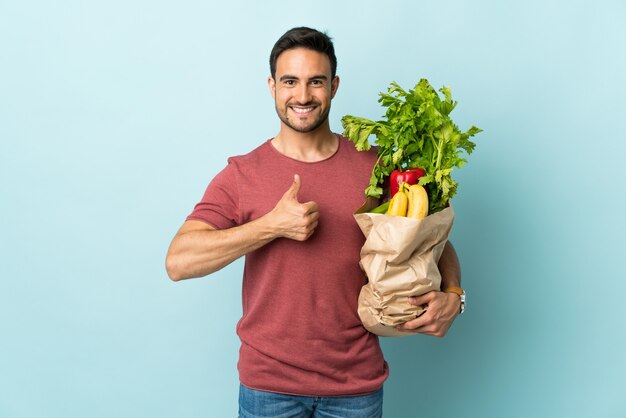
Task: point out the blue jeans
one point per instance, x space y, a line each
260 404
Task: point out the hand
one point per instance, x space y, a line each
293 219
441 309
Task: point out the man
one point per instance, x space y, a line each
287 206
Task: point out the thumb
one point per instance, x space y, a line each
295 188
421 299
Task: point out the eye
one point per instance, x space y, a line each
289 82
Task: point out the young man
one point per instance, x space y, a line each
287 207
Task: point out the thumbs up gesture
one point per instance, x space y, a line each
293 219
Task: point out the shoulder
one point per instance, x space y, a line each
349 150
256 155
259 159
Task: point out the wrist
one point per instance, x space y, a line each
460 292
266 227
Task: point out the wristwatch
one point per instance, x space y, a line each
458 291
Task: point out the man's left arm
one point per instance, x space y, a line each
442 308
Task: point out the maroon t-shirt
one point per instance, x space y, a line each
300 331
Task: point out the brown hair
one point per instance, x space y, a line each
304 37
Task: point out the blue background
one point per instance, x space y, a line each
114 115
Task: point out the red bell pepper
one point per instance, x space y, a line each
409 176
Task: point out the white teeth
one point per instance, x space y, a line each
302 110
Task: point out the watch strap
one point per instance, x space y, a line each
457 291
453 289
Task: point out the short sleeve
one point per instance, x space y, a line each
219 206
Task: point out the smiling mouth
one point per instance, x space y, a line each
302 110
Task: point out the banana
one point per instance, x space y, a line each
399 203
418 202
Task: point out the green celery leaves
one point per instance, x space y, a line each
417 132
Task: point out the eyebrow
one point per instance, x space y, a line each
293 77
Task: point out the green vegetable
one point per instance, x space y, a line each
382 208
417 132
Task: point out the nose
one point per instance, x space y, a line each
303 94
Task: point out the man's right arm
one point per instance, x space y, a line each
198 249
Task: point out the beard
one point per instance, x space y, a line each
303 128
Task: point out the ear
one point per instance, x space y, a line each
334 85
271 83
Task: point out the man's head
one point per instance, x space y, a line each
308 38
303 80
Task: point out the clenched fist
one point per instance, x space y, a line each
293 219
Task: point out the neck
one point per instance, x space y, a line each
313 146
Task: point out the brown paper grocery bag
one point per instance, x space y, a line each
400 258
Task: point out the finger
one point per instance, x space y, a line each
310 207
423 318
314 216
294 188
306 232
424 299
414 324
416 327
429 329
